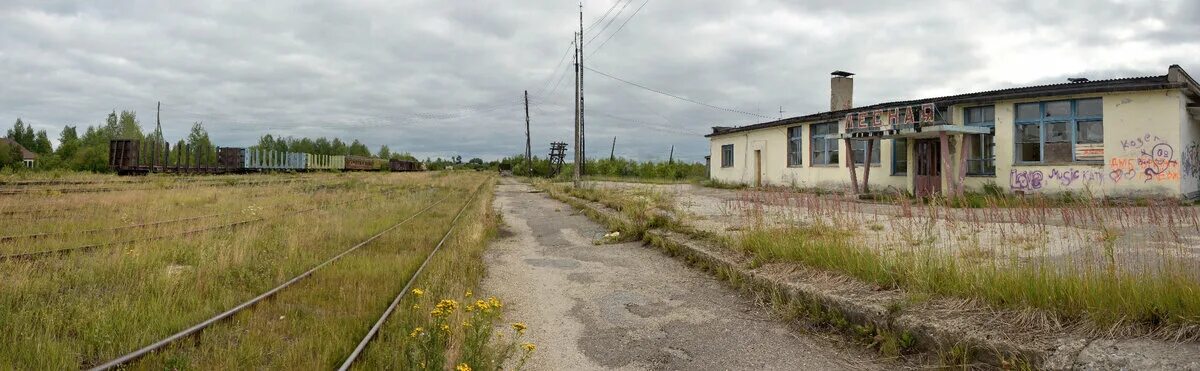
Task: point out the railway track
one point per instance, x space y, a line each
197 328
41 254
9 191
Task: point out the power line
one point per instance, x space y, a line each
673 95
598 20
549 78
610 36
610 21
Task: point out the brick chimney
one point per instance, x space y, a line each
841 91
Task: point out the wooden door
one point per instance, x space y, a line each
928 180
758 168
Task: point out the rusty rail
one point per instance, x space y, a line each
362 345
247 304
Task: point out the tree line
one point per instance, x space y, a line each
89 151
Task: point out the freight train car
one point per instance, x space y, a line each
404 165
359 163
127 156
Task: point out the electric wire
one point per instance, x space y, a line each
607 24
675 96
610 36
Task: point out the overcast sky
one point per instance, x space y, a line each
439 78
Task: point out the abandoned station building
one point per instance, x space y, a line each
1138 135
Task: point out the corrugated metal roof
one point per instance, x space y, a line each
1066 88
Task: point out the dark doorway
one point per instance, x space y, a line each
929 171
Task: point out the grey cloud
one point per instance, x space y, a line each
445 78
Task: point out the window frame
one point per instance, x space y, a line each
878 147
795 150
726 148
1071 121
986 122
896 144
827 139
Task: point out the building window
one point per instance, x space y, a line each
981 154
1060 131
795 154
727 155
859 147
899 156
824 144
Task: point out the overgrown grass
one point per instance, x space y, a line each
1079 262
84 308
1168 300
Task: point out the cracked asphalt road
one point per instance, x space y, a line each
625 306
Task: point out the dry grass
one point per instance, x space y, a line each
1086 264
84 308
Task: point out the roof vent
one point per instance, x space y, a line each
840 73
1077 79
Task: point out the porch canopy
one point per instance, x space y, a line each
940 131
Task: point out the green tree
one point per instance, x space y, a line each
41 144
68 142
198 142
359 149
129 127
339 147
23 134
10 156
384 152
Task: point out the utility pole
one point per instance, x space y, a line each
528 150
582 127
781 112
578 163
671 157
613 151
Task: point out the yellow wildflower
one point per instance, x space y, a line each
494 302
437 313
466 324
416 307
445 328
468 294
462 367
520 327
418 292
416 332
529 347
447 305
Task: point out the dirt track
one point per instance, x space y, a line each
624 306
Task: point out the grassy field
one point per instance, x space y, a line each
1119 271
82 308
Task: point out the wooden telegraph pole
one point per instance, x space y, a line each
528 149
613 151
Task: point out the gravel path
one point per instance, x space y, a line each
624 306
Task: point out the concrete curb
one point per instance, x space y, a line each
956 341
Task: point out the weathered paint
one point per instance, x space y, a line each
1151 146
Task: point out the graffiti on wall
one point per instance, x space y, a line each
1033 180
1025 180
1077 177
1190 160
1148 158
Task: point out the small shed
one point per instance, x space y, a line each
26 155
